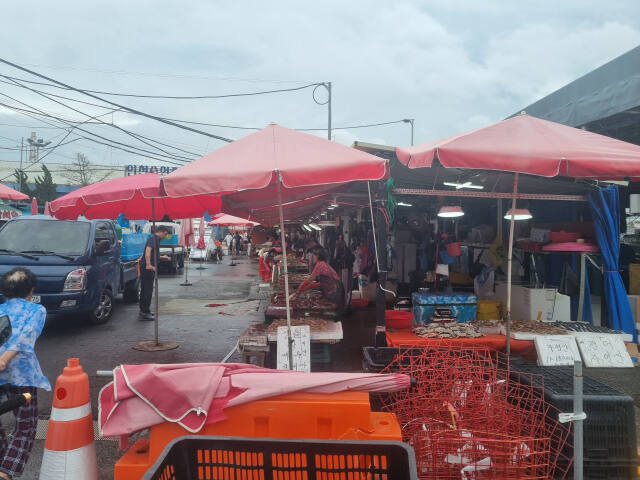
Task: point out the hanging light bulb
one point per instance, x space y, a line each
450 211
519 214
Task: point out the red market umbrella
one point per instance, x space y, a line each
47 210
283 163
231 221
138 197
34 206
526 144
8 193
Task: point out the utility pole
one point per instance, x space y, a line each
328 86
21 155
37 143
410 121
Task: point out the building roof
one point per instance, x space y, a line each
606 100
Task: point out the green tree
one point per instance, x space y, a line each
45 188
24 187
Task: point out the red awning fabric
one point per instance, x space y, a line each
131 196
231 221
527 144
246 171
8 193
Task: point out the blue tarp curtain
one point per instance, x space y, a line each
606 217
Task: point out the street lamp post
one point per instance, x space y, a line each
37 144
410 121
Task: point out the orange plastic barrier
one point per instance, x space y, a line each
406 338
344 416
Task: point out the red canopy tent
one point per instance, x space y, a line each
8 193
525 144
274 163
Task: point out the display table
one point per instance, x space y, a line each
406 338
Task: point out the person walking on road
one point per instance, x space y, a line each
148 270
20 371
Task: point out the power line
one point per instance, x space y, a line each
167 75
138 137
175 97
132 110
112 143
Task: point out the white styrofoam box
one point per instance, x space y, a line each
542 304
634 203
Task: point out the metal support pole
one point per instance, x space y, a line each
155 282
155 345
21 155
283 240
583 265
578 426
510 262
379 228
328 85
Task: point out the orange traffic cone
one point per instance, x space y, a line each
69 451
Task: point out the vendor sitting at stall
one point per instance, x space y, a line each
266 263
328 279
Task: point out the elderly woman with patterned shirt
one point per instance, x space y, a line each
19 368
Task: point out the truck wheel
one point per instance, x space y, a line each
131 292
104 309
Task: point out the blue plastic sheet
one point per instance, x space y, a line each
605 211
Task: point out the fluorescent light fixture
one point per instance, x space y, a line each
402 204
451 211
334 205
463 185
306 228
519 214
315 226
330 207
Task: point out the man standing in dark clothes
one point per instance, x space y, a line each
148 268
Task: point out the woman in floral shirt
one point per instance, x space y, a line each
19 368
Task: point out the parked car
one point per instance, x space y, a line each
77 263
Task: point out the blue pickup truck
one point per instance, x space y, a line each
77 263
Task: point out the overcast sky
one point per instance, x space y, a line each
451 65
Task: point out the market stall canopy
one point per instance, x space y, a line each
8 193
525 144
231 221
132 196
247 171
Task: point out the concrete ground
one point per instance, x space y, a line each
204 334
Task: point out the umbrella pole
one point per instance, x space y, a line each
283 240
510 261
155 345
186 282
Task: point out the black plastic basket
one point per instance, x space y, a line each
376 359
610 427
222 458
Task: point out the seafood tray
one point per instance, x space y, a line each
447 330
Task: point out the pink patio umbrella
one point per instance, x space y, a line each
202 242
231 221
34 206
8 193
272 167
530 145
193 394
47 211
